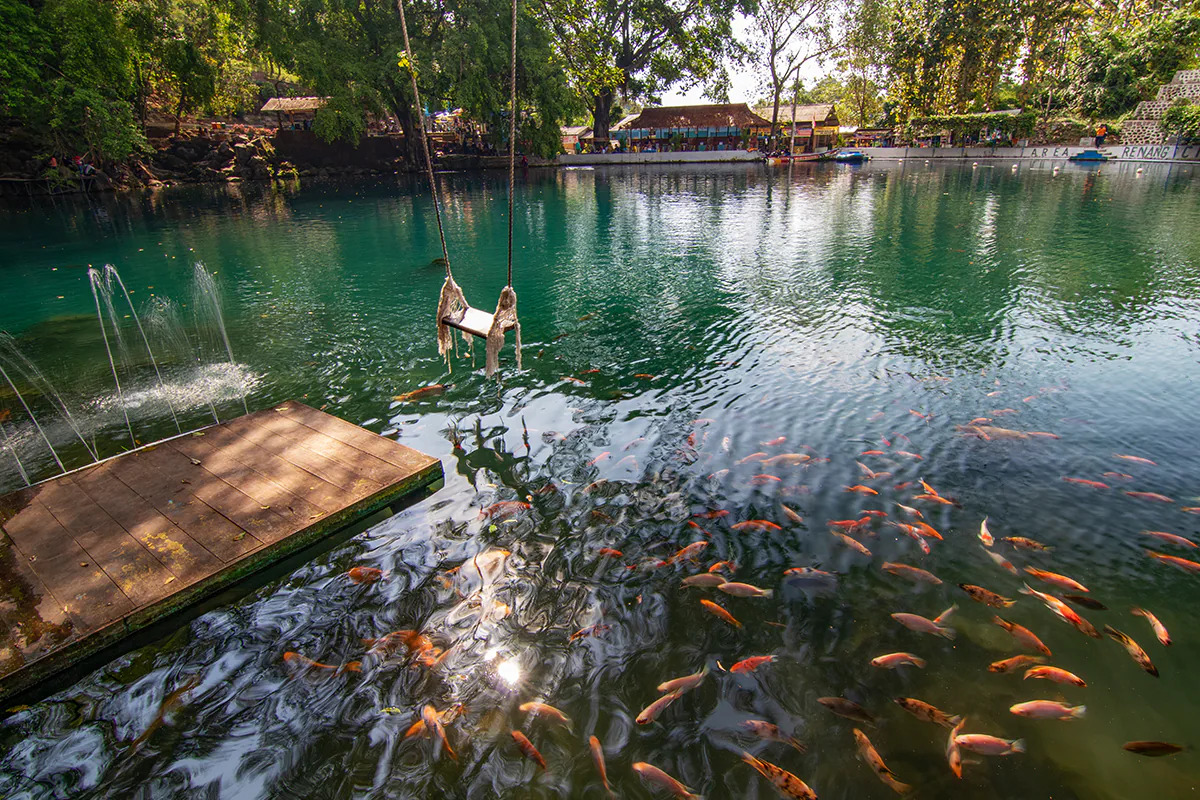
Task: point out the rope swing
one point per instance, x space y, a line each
453 309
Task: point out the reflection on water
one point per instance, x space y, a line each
677 323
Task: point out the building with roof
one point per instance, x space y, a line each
299 110
817 126
721 126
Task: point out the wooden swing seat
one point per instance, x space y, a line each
473 321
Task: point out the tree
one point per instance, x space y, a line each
639 47
786 35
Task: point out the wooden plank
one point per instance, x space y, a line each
298 511
365 464
394 453
327 469
137 573
174 500
180 553
299 482
34 621
261 523
33 529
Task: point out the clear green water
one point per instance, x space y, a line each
819 305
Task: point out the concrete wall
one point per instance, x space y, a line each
1133 152
572 159
304 149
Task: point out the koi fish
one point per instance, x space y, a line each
599 458
1085 602
764 480
989 745
729 565
592 630
787 459
1043 434
1055 674
1025 637
1022 543
810 574
1085 482
1002 411
716 514
1171 538
1136 459
893 660
791 515
1155 496
1191 509
912 573
1000 561
744 590
504 509
935 627
872 512
927 713
755 525
953 754
848 709
853 544
778 440
847 524
752 457
875 762
414 641
689 552
919 415
652 774
706 580
1063 611
861 489
1117 476
935 498
535 709
787 784
912 512
982 595
765 730
169 702
683 684
752 663
644 376
362 575
720 613
1182 563
303 662
1152 748
610 552
980 420
433 723
1133 648
574 380
425 391
907 454
598 757
928 531
872 453
1013 664
1054 579
985 535
1160 630
1047 709
651 712
528 750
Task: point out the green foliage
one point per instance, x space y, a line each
967 125
1182 118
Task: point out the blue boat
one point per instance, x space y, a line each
852 157
1089 155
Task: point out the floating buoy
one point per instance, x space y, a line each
974 164
1014 167
1139 170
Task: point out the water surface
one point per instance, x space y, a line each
675 320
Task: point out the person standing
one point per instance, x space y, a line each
1101 132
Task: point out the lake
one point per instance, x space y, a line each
744 339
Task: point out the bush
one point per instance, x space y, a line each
1182 118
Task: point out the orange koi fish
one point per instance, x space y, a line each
751 664
424 391
720 613
689 552
771 733
918 414
953 754
848 709
683 684
535 709
528 750
755 525
752 457
1022 543
1054 579
652 774
504 509
980 420
1025 637
906 454
729 565
893 660
1063 611
362 575
1117 476
861 489
1171 537
1191 509
744 590
598 758
1048 709
927 713
990 745
1055 674
870 473
912 573
1182 563
1154 496
872 453
433 722
1013 664
576 381
935 498
591 630
1136 459
912 512
1085 482
716 514
936 627
599 458
763 479
303 662
611 552
1000 561
1160 630
982 595
787 784
414 641
651 712
775 442
853 544
875 762
707 580
791 515
985 535
787 459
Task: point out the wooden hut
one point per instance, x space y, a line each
300 111
817 125
722 126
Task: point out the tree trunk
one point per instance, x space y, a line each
775 115
414 140
179 112
601 113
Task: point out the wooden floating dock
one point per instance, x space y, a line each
92 556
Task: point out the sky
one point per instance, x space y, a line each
745 84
